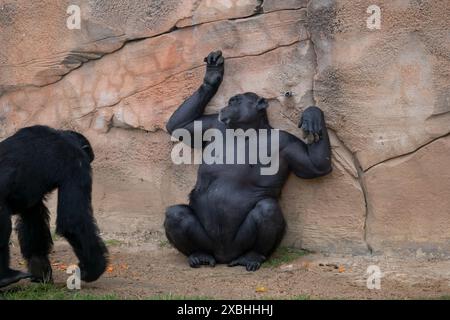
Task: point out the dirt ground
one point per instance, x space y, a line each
148 271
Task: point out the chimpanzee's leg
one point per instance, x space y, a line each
187 234
7 275
259 235
36 241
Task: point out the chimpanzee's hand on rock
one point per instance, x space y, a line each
312 123
214 69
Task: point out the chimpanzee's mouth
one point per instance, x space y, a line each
225 121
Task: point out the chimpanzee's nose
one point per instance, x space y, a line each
223 118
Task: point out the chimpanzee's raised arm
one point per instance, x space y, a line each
309 160
192 109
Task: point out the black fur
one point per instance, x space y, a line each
233 215
33 162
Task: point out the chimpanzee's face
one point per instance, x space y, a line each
243 109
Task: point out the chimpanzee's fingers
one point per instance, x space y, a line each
315 127
220 61
210 58
308 126
316 137
217 54
304 125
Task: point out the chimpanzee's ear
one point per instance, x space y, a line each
261 104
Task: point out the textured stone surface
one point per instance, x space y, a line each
386 91
410 203
385 94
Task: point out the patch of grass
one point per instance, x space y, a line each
284 255
170 296
113 243
164 244
58 292
298 297
50 292
55 237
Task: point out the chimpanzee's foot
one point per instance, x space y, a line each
41 270
200 259
12 276
251 261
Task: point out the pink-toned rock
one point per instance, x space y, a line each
327 214
385 91
409 201
153 63
38 48
385 94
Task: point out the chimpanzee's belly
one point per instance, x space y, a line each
223 197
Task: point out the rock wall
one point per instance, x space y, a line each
118 78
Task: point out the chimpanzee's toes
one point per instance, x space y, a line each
251 261
12 276
252 266
201 259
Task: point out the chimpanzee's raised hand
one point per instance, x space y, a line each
312 123
214 69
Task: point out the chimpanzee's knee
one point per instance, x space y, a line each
177 217
268 210
185 232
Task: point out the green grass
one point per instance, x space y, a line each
444 298
113 243
55 292
170 296
164 244
55 237
298 297
284 255
50 292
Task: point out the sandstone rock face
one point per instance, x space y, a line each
416 215
118 78
386 92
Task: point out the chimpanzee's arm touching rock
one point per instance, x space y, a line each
309 160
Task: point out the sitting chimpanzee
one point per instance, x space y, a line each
33 162
233 216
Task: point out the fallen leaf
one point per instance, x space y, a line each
110 269
261 289
341 269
